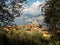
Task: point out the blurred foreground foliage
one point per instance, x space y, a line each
23 37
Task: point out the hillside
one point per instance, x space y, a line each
30 34
33 27
30 27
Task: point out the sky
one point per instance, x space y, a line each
31 13
30 2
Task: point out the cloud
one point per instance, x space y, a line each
34 9
30 14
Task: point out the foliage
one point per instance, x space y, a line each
1 37
21 37
52 14
8 12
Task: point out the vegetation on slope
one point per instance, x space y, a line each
27 37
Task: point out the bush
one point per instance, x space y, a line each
55 40
1 38
21 37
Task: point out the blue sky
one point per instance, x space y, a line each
30 2
31 13
33 6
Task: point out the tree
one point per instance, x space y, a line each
7 12
52 14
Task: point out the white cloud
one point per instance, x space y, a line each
34 9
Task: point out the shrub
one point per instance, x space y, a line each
21 37
1 38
